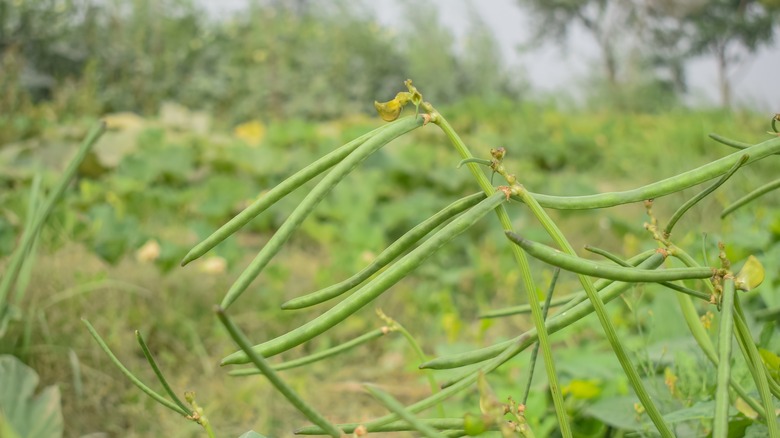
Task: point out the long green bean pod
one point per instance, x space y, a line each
756 367
701 336
720 427
388 255
311 200
397 408
554 324
569 301
761 191
375 287
514 348
526 308
316 357
278 383
557 322
601 270
667 284
135 380
701 195
601 313
163 381
525 274
729 142
661 188
274 195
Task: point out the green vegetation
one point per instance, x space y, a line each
253 156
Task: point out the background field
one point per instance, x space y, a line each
205 115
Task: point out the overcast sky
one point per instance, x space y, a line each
755 83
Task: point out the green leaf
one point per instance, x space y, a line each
26 414
618 412
699 411
772 362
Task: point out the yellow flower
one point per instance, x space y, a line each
251 132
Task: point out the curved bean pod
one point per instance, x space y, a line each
389 133
729 142
601 270
572 299
557 322
691 202
360 340
526 308
283 387
387 256
766 188
397 408
660 188
275 194
374 288
515 347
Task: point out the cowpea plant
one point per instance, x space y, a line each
718 287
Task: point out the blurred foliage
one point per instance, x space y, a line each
272 60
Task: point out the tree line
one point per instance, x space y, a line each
314 59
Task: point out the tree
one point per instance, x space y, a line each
605 20
483 72
729 30
428 49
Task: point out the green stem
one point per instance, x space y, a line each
394 406
261 364
558 322
608 255
761 191
135 380
535 351
601 313
661 188
157 372
720 427
691 202
525 274
395 325
360 340
756 366
526 308
672 286
729 142
700 335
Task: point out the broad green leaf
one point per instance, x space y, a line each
583 389
618 412
699 411
25 413
772 362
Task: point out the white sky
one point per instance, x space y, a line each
755 83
